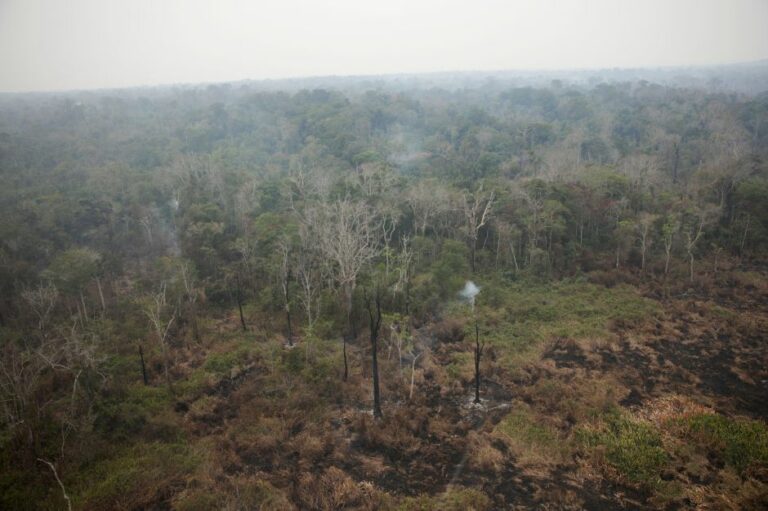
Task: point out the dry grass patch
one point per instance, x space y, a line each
531 438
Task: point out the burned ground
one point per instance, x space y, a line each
570 426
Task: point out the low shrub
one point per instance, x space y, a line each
630 446
741 442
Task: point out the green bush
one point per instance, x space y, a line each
521 426
632 447
133 477
520 317
741 442
222 363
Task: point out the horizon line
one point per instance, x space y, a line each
550 70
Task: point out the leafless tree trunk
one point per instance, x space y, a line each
156 311
308 274
373 304
477 211
670 228
426 200
42 300
101 296
348 237
692 237
643 227
239 299
413 374
744 236
478 353
404 262
58 480
535 206
143 366
190 296
285 276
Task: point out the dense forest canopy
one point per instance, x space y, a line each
158 245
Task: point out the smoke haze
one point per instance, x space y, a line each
52 45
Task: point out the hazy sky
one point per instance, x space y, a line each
65 44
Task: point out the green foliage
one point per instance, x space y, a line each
133 477
72 269
634 448
451 268
742 443
518 318
455 499
530 437
221 363
132 410
201 500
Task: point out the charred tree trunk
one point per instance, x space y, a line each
375 326
744 237
290 328
195 327
287 300
350 327
166 363
143 366
478 354
239 299
346 364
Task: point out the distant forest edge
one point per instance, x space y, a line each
572 169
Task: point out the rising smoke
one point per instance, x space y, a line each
469 293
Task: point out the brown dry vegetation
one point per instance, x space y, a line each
602 421
657 400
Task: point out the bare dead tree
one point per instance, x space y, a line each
404 267
389 221
693 230
348 237
669 230
146 221
58 480
397 338
23 369
284 250
477 211
191 295
161 318
20 373
42 300
643 228
308 273
535 207
413 374
376 179
426 199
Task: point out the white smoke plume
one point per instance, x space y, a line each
469 293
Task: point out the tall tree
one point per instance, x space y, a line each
477 211
348 235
